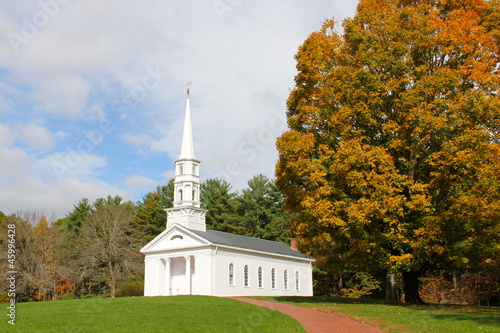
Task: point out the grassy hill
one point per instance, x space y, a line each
148 314
213 314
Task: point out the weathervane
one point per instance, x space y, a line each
188 84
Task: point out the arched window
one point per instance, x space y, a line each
231 274
297 281
273 278
245 275
260 277
180 195
181 170
285 279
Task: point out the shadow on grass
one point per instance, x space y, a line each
477 315
477 318
339 300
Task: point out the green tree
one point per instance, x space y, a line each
392 157
260 210
279 229
150 218
217 197
75 217
256 204
112 201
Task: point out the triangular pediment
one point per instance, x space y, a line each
175 237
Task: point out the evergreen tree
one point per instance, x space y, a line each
260 209
74 218
216 196
150 218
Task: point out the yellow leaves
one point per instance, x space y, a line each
467 44
402 262
394 124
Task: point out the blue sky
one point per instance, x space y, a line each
92 93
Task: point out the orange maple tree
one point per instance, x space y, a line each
392 159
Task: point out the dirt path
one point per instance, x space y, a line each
315 321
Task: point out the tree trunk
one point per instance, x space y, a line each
411 286
391 291
112 283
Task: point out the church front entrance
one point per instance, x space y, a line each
179 275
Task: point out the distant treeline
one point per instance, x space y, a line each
94 249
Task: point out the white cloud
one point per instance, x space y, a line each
36 137
167 175
71 164
7 136
31 184
94 113
143 142
54 199
16 165
139 183
62 94
6 105
61 135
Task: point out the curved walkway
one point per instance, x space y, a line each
315 321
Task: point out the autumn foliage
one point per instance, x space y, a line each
392 159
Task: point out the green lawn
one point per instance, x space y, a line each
148 314
396 317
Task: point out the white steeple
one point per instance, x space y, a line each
187 185
187 151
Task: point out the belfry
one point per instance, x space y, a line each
187 185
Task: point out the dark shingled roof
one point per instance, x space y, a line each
244 242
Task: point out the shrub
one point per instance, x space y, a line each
130 288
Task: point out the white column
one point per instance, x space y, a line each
149 275
168 279
188 275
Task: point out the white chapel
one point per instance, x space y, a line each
188 259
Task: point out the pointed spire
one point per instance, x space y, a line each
187 186
187 150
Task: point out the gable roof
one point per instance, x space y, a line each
163 242
249 243
222 239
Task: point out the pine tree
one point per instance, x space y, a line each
75 217
258 206
217 197
151 219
